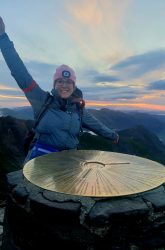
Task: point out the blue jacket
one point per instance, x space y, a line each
57 128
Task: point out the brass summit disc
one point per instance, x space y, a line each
94 173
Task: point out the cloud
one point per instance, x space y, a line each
7 88
41 72
157 85
87 12
138 65
127 106
103 86
94 13
96 84
104 78
8 97
107 93
96 28
96 77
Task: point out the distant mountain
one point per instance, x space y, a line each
115 119
120 120
136 141
25 113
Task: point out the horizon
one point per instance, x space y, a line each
117 49
149 111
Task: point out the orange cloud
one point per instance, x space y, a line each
96 27
9 101
143 106
87 12
8 97
4 87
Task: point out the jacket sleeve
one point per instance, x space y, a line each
32 91
91 123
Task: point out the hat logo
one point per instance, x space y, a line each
66 73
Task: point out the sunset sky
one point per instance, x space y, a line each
117 48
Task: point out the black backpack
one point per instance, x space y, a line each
30 135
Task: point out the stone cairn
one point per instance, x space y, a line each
39 219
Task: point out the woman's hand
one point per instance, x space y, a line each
2 26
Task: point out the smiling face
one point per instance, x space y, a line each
65 87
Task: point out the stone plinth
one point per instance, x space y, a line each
39 219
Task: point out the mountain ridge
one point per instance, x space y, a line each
136 141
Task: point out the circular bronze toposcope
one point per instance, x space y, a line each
94 173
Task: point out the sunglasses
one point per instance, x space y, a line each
62 81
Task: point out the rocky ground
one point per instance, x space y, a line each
2 209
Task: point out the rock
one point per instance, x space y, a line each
2 211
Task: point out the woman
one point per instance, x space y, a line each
61 123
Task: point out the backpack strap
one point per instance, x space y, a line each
80 107
30 137
43 109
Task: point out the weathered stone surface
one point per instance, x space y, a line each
20 194
156 197
86 202
105 211
2 211
1 230
14 178
67 211
55 196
